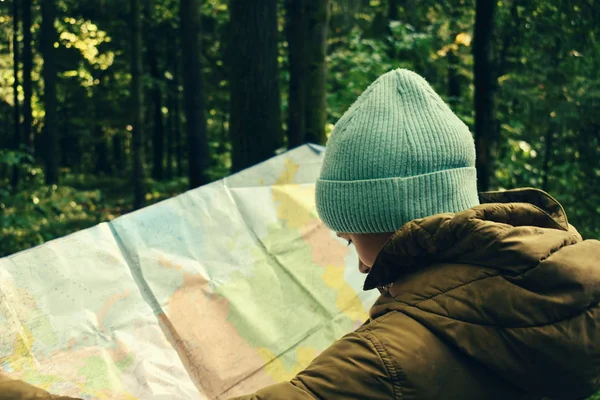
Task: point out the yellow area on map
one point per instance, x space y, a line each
277 369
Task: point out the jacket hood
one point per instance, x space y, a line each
509 283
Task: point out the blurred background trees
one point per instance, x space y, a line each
108 105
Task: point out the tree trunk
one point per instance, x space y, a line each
484 90
28 136
296 38
102 163
454 87
158 136
224 135
17 112
193 92
175 104
316 88
454 79
65 138
170 48
101 142
255 115
117 148
148 114
49 36
169 145
178 139
70 145
548 143
393 10
137 91
158 142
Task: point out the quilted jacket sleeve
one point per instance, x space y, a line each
11 389
352 368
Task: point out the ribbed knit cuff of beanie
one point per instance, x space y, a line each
398 154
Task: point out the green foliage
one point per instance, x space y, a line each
549 134
545 58
31 217
37 212
11 158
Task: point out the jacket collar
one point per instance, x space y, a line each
467 235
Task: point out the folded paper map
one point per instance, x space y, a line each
211 294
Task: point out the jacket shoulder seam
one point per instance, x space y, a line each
391 370
446 292
550 323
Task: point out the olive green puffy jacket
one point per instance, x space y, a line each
497 302
11 389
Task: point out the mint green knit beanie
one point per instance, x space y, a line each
398 154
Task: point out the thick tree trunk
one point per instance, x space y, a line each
17 112
49 36
137 91
255 115
316 102
193 92
28 136
296 38
158 136
393 10
484 90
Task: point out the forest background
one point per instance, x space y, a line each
110 105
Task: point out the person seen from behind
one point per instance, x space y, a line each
483 295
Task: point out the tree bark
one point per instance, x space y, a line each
65 139
171 51
169 145
49 36
393 10
101 142
137 91
175 103
117 150
454 86
17 112
454 79
484 90
548 143
158 137
316 101
101 150
296 38
255 118
193 92
28 136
